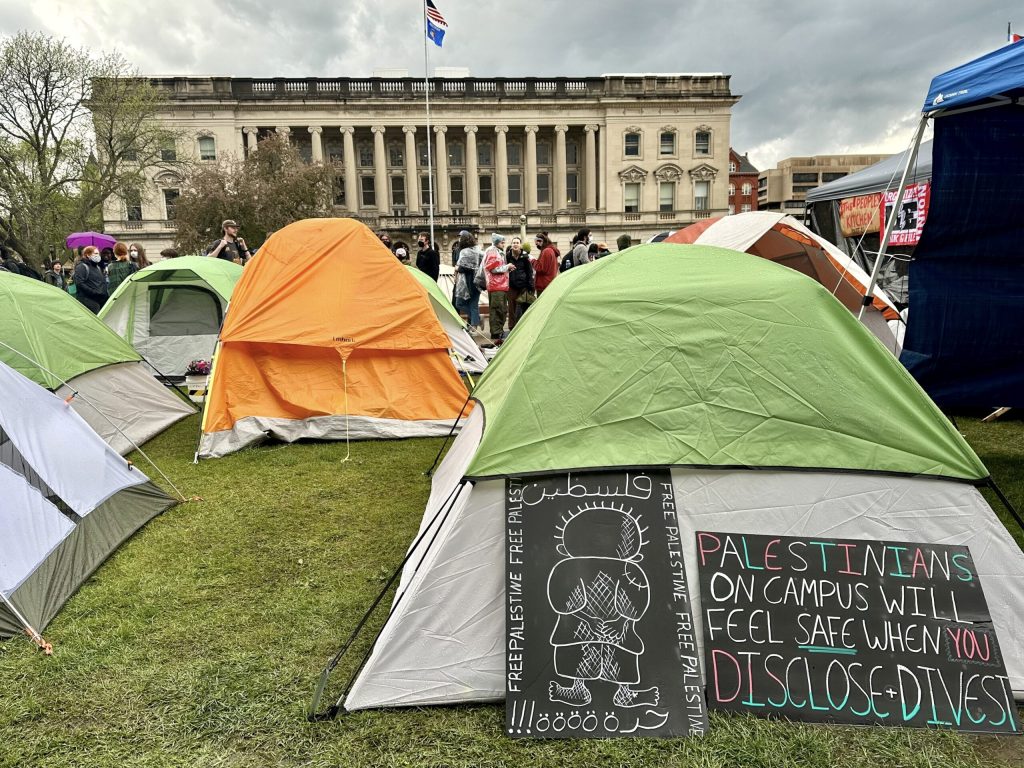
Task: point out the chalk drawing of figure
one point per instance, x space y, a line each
599 592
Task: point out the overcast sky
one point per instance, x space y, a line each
816 76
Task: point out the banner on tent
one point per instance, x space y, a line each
848 631
912 214
859 215
600 639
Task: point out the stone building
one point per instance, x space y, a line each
742 183
633 154
785 187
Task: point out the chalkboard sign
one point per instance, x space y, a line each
600 639
850 631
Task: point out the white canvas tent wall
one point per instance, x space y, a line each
758 390
171 311
68 503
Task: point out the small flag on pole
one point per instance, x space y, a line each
436 25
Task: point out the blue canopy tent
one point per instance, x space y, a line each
965 333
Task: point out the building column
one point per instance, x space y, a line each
380 170
351 187
250 138
559 192
602 192
284 132
442 202
501 169
472 172
240 142
316 133
590 169
412 174
530 182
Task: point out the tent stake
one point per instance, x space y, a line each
34 636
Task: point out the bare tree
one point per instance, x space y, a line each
74 129
269 189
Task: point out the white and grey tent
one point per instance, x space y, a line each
773 409
68 502
171 311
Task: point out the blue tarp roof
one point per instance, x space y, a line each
994 74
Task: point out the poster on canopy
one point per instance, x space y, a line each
859 215
600 638
850 631
912 213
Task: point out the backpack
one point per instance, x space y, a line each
480 276
566 263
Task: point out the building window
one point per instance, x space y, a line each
486 190
667 144
746 188
336 158
170 204
484 154
702 143
339 190
572 188
421 150
832 176
365 156
398 192
396 156
631 197
514 150
133 205
572 153
207 148
805 178
130 155
369 191
631 145
515 189
701 193
168 153
544 188
425 190
732 190
456 155
745 208
543 153
457 191
667 196
732 167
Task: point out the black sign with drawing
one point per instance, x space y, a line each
850 631
599 632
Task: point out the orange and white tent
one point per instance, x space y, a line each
781 238
328 336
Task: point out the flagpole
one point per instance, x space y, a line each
426 93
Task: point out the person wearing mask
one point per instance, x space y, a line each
581 249
55 276
520 281
428 260
402 254
496 269
137 256
386 239
546 268
90 282
230 247
467 294
106 256
120 269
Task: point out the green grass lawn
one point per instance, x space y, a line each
200 641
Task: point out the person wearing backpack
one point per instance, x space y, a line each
546 268
467 294
581 248
520 282
497 269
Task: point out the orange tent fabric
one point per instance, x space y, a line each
326 322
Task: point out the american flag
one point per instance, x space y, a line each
435 15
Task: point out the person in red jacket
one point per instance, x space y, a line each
546 268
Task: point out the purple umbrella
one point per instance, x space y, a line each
82 239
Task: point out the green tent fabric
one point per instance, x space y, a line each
436 293
220 274
701 356
56 330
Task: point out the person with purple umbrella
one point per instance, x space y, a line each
90 282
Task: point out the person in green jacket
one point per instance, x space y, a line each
120 269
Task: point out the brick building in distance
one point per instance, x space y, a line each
742 183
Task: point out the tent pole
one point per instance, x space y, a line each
891 223
1006 502
451 432
332 711
34 636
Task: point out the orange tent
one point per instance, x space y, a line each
328 336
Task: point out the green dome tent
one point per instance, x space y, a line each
171 311
774 410
49 337
469 357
